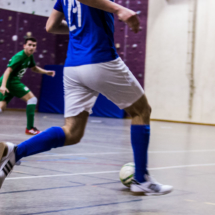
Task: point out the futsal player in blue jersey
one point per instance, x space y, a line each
92 67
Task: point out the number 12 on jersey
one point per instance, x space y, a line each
74 7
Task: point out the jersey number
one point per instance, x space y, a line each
74 6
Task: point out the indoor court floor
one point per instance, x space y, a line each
84 178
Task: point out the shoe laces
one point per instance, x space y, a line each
151 179
135 182
155 187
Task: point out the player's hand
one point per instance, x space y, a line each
3 90
130 18
51 73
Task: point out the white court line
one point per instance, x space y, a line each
114 153
182 166
10 135
182 151
86 144
107 172
102 153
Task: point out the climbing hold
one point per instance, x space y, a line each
117 45
14 37
29 34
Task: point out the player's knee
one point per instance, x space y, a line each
140 111
72 137
147 110
2 108
32 101
144 113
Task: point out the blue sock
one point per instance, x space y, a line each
51 138
140 141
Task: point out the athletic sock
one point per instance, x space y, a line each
51 138
140 141
30 110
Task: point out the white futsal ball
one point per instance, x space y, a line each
126 173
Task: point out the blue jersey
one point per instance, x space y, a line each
91 33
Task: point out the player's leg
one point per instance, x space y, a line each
21 91
140 132
74 128
78 103
140 112
4 100
3 106
31 101
54 137
115 81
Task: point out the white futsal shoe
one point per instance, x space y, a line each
150 187
7 162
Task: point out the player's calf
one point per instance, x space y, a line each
74 128
72 137
3 106
140 134
30 110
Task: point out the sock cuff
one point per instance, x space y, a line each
140 128
51 138
32 101
60 135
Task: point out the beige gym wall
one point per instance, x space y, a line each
169 70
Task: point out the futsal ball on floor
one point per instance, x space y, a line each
126 173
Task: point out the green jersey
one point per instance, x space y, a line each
19 63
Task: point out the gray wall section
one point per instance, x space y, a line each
52 48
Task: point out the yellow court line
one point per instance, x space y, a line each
178 121
183 122
21 172
209 203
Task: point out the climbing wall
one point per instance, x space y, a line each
130 46
37 7
14 26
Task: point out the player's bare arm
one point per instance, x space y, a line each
3 88
124 14
39 70
56 23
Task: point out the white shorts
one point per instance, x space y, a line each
82 85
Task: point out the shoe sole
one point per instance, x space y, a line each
2 148
149 194
31 134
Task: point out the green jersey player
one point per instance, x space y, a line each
11 85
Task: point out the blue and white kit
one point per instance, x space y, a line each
93 65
